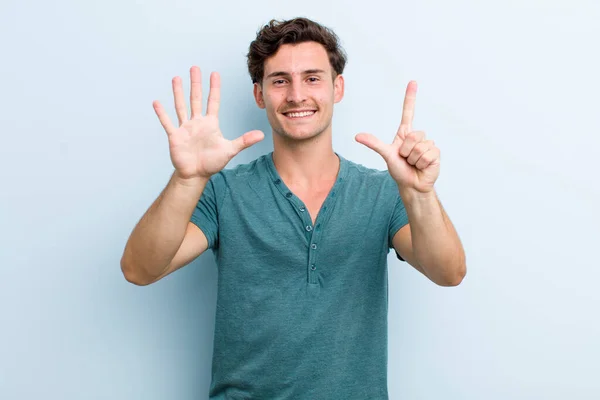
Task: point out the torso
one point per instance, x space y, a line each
313 200
276 276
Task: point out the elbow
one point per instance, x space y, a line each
131 273
456 277
449 273
453 281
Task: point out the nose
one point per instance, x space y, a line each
295 92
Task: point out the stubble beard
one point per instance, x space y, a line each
292 138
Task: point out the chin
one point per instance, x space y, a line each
304 133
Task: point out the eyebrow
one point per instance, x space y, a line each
283 73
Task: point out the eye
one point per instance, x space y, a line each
313 79
279 82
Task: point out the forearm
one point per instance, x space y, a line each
435 242
160 232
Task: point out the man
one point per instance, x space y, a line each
300 235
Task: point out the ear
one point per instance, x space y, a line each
338 88
258 95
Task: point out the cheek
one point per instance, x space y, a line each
273 102
324 102
324 98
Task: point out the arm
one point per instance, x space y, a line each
429 242
164 240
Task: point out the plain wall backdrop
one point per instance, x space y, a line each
507 90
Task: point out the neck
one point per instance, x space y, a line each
305 163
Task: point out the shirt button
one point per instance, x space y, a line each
302 208
308 228
277 182
313 246
312 266
288 195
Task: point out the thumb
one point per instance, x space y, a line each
373 143
247 140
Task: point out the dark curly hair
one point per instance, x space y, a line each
296 30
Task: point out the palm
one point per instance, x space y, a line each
412 161
197 147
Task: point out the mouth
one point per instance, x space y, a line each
296 115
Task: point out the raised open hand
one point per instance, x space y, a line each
412 161
197 147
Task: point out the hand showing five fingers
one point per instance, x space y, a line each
197 147
412 160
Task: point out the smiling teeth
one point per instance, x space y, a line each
301 114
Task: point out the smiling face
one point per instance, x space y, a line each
298 91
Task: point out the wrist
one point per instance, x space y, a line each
410 195
196 182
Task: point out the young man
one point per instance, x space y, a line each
300 235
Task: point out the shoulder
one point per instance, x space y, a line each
238 174
370 177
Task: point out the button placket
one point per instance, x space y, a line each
312 268
312 231
314 238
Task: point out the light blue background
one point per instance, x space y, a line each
508 91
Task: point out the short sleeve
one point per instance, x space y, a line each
398 220
205 215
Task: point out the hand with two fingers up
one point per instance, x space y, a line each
413 161
197 146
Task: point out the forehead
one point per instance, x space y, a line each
295 58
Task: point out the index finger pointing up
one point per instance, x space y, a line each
408 111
